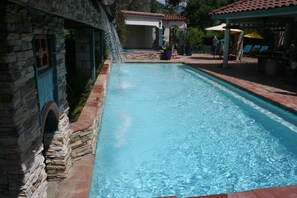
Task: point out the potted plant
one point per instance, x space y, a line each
167 52
188 50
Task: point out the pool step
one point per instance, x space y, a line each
175 56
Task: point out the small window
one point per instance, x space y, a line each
41 52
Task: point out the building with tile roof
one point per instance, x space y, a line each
129 12
253 5
151 30
258 13
174 17
280 15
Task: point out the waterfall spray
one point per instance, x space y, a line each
111 37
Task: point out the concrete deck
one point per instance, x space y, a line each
278 89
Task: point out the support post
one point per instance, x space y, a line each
181 44
226 44
160 38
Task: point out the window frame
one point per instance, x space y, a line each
42 52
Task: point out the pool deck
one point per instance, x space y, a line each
277 89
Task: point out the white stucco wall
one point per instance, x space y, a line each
167 24
142 32
143 20
179 24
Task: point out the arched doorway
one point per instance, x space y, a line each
174 29
56 141
50 124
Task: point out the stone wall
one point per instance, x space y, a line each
58 151
84 132
22 167
84 45
28 155
149 55
42 23
84 11
57 155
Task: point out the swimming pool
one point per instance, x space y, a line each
168 129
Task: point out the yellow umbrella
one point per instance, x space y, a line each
253 35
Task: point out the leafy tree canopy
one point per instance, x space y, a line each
135 5
172 2
197 11
142 5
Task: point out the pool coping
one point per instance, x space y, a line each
224 79
83 140
77 184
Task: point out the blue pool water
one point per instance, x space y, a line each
168 129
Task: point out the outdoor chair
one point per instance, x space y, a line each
247 49
256 47
255 50
264 48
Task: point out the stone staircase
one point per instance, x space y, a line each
174 54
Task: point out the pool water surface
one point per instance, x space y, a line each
168 129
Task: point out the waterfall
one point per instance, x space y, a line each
111 37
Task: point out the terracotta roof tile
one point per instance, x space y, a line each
174 17
250 5
167 17
142 13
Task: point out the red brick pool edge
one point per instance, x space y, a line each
275 192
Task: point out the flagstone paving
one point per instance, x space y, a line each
277 89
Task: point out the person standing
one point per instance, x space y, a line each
221 50
214 45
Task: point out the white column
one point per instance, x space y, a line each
226 43
166 34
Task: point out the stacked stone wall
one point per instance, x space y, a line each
22 169
84 132
85 11
22 164
84 62
58 151
142 55
57 155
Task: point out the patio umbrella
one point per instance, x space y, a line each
253 35
222 27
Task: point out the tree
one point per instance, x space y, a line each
154 6
145 6
197 11
120 25
172 2
194 36
135 5
157 7
140 5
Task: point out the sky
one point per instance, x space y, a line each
161 1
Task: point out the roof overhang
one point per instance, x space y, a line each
286 11
143 19
275 17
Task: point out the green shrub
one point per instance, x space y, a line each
78 89
194 36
